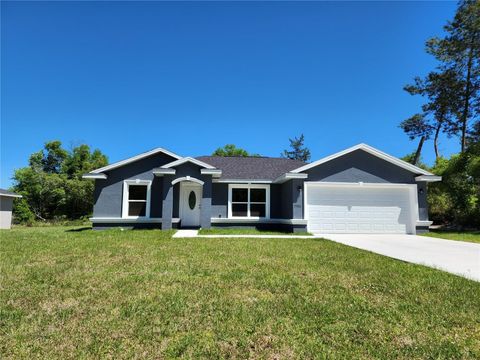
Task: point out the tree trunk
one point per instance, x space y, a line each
464 119
435 140
419 151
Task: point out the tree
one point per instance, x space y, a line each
417 127
298 150
456 199
231 150
51 185
459 52
49 159
442 92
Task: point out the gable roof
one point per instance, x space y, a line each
7 193
251 168
185 160
135 158
371 150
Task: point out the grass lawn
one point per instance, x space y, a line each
470 236
142 294
246 232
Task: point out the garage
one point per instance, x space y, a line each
360 208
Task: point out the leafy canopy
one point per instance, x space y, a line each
298 151
52 185
232 150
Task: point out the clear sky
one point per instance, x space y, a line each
190 77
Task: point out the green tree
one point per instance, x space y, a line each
417 127
298 151
456 199
52 186
459 52
442 92
231 150
50 159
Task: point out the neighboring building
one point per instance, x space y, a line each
358 190
6 205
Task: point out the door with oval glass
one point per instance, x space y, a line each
190 200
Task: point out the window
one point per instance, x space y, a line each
249 201
136 199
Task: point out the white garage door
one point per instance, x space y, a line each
359 209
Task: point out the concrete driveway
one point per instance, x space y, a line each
456 257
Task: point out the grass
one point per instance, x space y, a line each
469 236
141 294
247 232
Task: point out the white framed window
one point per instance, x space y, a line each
136 199
251 201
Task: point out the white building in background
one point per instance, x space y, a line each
6 204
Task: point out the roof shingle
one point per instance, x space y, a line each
251 168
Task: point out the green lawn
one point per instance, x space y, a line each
142 294
470 236
247 232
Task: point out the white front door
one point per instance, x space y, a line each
190 199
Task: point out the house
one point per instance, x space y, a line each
6 205
357 190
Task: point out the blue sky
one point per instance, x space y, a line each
190 77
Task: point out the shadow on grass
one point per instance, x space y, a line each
79 229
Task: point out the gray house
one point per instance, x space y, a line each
358 190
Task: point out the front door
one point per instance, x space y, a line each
190 199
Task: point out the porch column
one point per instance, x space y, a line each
167 202
206 204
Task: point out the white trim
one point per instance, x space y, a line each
258 221
161 172
249 186
187 178
135 158
428 178
423 223
371 150
242 181
213 172
290 175
117 220
188 159
94 176
11 195
413 195
126 184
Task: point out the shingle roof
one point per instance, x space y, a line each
251 168
8 193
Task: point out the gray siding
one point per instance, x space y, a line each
109 192
278 202
360 166
422 200
219 200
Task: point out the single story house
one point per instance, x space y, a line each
357 190
6 205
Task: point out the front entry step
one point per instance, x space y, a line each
185 233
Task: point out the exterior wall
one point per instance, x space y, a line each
171 195
6 204
108 194
360 166
280 201
264 226
219 200
422 200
